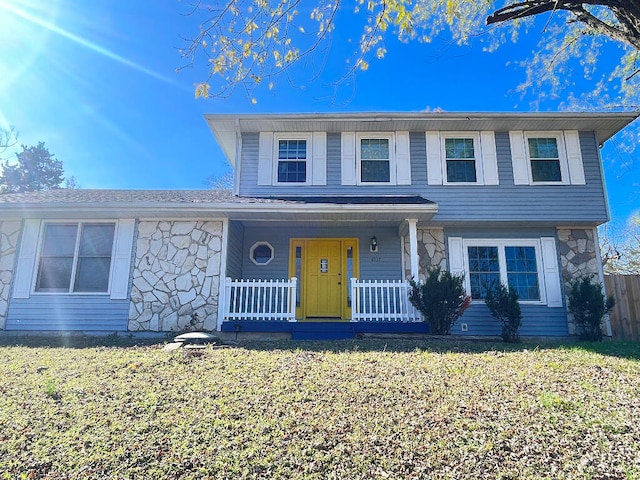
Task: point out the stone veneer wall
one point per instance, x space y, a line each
578 257
9 236
176 276
431 252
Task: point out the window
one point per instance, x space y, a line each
545 159
460 160
511 262
75 257
292 161
261 253
375 158
484 270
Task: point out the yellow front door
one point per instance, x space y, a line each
323 267
323 279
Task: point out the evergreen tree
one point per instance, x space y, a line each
36 169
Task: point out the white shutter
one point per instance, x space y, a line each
456 256
121 261
551 272
574 157
489 158
403 159
434 159
26 259
319 152
519 158
265 158
348 155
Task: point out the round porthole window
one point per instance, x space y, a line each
261 253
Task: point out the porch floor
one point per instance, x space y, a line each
323 330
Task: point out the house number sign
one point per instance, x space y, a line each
324 265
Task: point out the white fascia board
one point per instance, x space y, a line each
208 210
606 124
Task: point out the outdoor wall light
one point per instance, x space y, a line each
374 244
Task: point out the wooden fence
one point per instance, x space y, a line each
625 316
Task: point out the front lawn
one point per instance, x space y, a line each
350 410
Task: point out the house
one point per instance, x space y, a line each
329 216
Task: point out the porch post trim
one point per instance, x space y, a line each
222 299
413 246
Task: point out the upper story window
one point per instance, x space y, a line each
460 159
544 157
292 158
375 160
292 161
75 257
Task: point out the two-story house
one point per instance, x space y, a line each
329 217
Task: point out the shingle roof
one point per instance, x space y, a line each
87 196
117 196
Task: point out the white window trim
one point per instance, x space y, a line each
477 151
392 156
309 160
260 244
562 154
501 244
36 266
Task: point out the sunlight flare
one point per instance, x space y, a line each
21 13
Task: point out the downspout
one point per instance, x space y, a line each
238 156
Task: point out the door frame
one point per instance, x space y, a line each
297 259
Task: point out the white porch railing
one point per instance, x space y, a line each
260 299
382 301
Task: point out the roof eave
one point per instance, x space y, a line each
226 127
211 210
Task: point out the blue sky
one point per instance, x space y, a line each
97 82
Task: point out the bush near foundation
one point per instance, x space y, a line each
588 305
441 300
504 307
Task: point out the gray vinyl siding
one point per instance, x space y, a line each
503 202
537 320
509 202
68 312
234 250
386 264
334 167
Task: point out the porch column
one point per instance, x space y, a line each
413 246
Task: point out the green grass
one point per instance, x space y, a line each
349 410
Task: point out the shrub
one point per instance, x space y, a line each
588 305
441 299
504 307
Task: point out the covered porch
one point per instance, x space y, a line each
337 268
